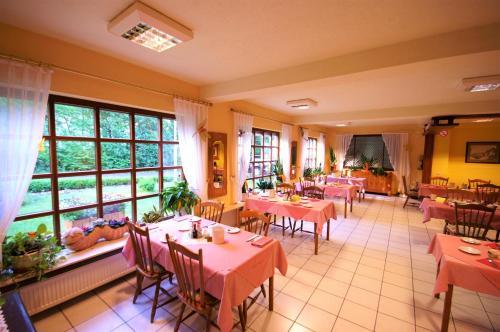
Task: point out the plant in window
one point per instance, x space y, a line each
31 252
179 198
333 160
277 169
153 216
308 172
263 185
318 170
379 171
368 163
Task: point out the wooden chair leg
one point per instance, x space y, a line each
209 313
293 228
315 239
263 290
302 225
242 317
179 319
406 201
283 224
328 230
155 300
138 289
498 235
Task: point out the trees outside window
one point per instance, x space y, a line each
264 153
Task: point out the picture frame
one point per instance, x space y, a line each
482 152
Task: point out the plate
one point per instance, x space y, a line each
470 240
184 228
470 250
304 198
233 230
195 218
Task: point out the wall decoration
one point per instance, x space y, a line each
482 152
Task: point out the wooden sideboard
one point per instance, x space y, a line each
378 184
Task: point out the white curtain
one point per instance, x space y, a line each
24 90
304 144
192 127
342 143
320 151
243 139
397 147
286 135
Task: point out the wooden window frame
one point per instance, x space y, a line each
312 151
255 178
54 175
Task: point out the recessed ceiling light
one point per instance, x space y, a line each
149 28
302 104
341 125
481 84
483 120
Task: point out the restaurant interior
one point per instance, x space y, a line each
250 165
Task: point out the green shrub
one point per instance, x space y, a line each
64 184
148 184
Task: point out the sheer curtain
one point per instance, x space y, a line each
286 134
24 91
304 144
243 139
192 121
320 151
397 147
342 143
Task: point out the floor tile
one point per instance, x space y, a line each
363 297
316 319
142 323
51 320
369 284
397 309
105 321
270 321
340 274
326 301
288 306
387 323
307 277
333 286
83 308
342 325
397 293
298 290
360 315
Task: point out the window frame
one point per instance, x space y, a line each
252 162
353 141
312 152
98 172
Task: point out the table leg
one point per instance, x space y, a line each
328 230
359 195
447 309
345 208
351 206
271 293
315 239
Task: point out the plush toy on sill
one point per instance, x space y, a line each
81 238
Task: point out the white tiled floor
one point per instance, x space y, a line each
373 275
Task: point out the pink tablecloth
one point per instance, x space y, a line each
433 209
320 213
232 270
361 182
426 189
461 269
340 190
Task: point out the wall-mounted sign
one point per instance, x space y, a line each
443 133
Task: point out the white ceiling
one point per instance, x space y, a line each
239 38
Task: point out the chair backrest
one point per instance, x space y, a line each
488 193
473 183
473 220
405 186
314 192
255 222
210 210
439 180
458 194
142 248
286 188
188 269
307 182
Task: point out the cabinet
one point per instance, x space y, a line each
378 184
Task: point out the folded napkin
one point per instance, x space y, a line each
440 199
262 242
491 245
485 262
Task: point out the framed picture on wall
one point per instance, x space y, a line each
482 152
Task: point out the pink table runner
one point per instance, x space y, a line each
461 269
433 209
320 213
232 270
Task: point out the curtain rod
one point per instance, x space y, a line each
39 63
262 117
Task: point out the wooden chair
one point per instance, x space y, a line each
188 268
311 192
409 193
439 180
146 267
458 194
288 190
210 210
473 183
306 182
471 220
488 193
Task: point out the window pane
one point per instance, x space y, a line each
146 127
146 205
276 141
371 147
267 139
147 183
258 138
38 198
115 155
30 225
77 191
114 124
78 218
250 184
43 160
116 186
267 168
146 155
275 154
169 130
74 121
117 211
258 169
267 153
258 154
73 156
170 176
250 171
171 155
46 125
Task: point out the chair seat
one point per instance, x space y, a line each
209 300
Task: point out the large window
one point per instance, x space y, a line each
265 152
98 160
312 148
369 147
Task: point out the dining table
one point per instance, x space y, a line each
346 191
473 270
427 189
361 183
232 270
317 211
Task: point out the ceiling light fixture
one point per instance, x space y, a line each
482 120
481 84
147 27
341 125
302 104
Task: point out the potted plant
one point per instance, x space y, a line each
178 198
33 251
153 216
264 185
333 160
277 169
308 172
368 163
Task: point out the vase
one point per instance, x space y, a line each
25 262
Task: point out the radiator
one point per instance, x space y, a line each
48 293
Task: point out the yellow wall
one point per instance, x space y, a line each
449 153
